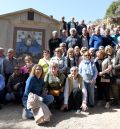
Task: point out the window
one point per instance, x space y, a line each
30 15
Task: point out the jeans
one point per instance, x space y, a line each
90 93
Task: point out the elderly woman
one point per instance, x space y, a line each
88 71
28 64
70 60
45 61
35 84
106 74
54 82
75 94
59 60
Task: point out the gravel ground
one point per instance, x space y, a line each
95 118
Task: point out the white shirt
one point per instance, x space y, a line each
75 86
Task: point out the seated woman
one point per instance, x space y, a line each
35 84
75 94
54 82
45 61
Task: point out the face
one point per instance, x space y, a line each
28 61
97 32
57 53
74 72
86 56
77 50
71 54
109 51
46 54
84 31
99 55
17 71
10 54
63 47
54 70
38 71
107 32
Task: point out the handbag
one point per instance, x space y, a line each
105 78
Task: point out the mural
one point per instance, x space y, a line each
29 41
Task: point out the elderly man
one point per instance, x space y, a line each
73 40
75 93
9 63
54 42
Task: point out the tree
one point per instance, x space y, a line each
112 9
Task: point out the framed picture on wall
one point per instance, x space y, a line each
29 41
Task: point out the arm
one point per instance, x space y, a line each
91 41
66 96
84 99
27 91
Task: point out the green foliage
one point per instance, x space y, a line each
112 9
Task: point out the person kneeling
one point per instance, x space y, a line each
75 94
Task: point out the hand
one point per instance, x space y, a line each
15 87
65 106
100 74
84 106
110 67
93 81
45 92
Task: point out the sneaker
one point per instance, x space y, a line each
24 117
78 111
107 106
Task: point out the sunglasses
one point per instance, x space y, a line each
87 55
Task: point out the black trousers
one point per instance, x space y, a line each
75 100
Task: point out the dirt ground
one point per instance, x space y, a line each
95 118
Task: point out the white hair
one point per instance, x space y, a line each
74 68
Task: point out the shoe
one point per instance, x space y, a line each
99 103
24 117
78 111
107 106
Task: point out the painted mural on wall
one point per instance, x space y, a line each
29 42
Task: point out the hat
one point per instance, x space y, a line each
10 49
1 48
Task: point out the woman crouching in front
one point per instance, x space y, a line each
35 84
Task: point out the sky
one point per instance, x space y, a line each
89 10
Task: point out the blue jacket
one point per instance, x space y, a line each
96 41
34 85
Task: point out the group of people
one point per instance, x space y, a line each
67 75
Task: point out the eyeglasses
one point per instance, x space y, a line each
63 46
87 55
